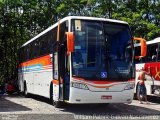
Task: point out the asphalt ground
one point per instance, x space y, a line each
17 107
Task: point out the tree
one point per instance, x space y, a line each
20 20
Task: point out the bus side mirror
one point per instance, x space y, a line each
143 47
70 42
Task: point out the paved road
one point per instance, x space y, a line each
37 108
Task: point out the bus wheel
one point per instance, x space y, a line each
58 104
137 92
25 90
51 94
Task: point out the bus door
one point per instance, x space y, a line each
64 72
60 67
55 77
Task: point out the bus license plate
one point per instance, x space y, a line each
106 97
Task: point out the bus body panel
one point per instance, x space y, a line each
153 68
29 82
42 83
20 81
55 77
110 92
37 74
55 90
86 96
102 86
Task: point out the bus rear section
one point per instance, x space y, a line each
151 65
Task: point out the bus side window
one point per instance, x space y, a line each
158 52
50 42
153 52
36 49
148 58
154 58
33 49
53 40
39 47
32 55
28 52
21 55
137 53
42 45
63 29
45 43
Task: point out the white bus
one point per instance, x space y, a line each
80 60
151 65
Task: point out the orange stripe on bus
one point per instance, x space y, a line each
55 82
101 82
99 86
45 60
96 81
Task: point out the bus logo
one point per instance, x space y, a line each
157 75
103 74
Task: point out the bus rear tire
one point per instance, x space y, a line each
51 94
25 90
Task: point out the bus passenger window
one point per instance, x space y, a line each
152 53
153 58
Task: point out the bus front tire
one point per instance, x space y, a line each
58 104
137 92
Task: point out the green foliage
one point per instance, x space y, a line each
142 16
21 20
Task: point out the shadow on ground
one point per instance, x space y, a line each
106 109
8 106
115 109
111 109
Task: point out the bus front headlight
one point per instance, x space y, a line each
129 86
79 85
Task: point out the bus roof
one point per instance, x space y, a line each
156 40
69 18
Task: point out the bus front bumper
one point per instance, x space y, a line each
80 96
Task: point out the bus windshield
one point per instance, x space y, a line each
103 50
